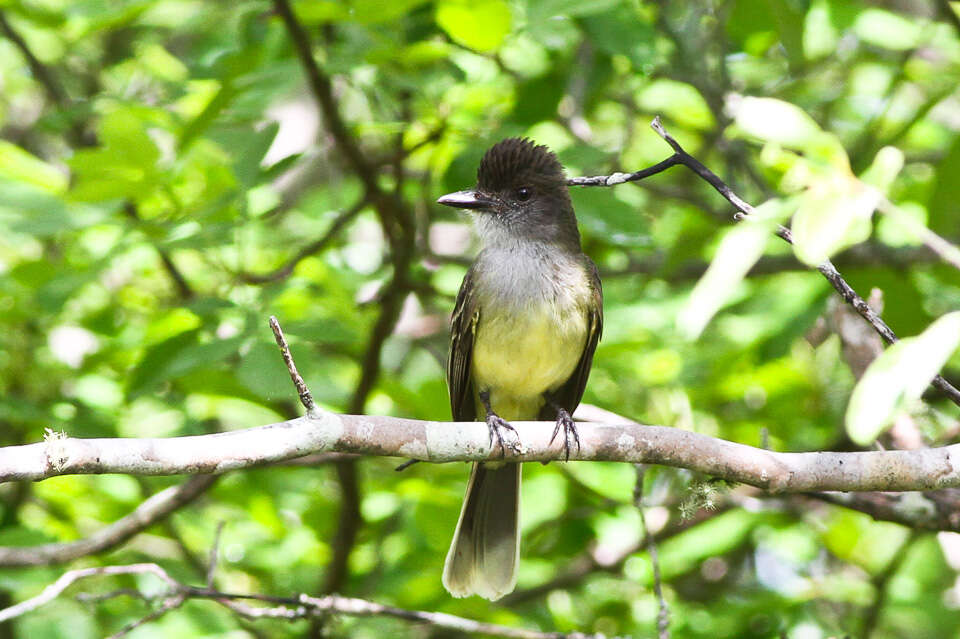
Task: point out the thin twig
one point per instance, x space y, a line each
155 509
939 245
169 603
827 269
313 248
663 611
289 608
881 584
184 290
214 555
302 391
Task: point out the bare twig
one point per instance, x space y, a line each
169 603
214 552
304 393
289 608
153 510
827 269
54 590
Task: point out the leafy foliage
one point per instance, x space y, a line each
164 185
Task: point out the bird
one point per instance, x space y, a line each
526 323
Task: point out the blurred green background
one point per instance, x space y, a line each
167 182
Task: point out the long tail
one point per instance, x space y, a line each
485 551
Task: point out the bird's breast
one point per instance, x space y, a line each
531 335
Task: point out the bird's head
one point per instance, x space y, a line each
521 193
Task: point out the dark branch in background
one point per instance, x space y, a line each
881 584
179 281
930 510
827 269
54 90
40 72
951 16
663 611
397 222
153 510
322 89
313 248
580 568
287 608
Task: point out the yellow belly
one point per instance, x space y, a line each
519 357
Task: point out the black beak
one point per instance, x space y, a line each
467 200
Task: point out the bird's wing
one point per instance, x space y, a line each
463 329
569 394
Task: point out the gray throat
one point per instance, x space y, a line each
513 276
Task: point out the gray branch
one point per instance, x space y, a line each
894 470
289 608
155 509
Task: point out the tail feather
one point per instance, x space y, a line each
485 552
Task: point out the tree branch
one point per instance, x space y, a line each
312 248
827 269
153 510
40 72
894 470
289 608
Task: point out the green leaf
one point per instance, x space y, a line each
772 120
604 214
888 30
834 213
545 9
176 357
623 32
884 170
678 101
481 25
899 376
820 36
373 11
739 250
122 167
16 164
26 208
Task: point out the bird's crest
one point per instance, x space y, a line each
515 160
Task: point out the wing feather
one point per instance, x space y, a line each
571 392
463 329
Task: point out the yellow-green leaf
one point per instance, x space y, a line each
481 25
20 166
899 376
834 213
739 250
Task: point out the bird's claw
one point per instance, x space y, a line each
565 421
497 425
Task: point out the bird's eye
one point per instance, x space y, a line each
524 193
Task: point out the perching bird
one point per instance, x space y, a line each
527 321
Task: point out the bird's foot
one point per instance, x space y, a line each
565 421
498 428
